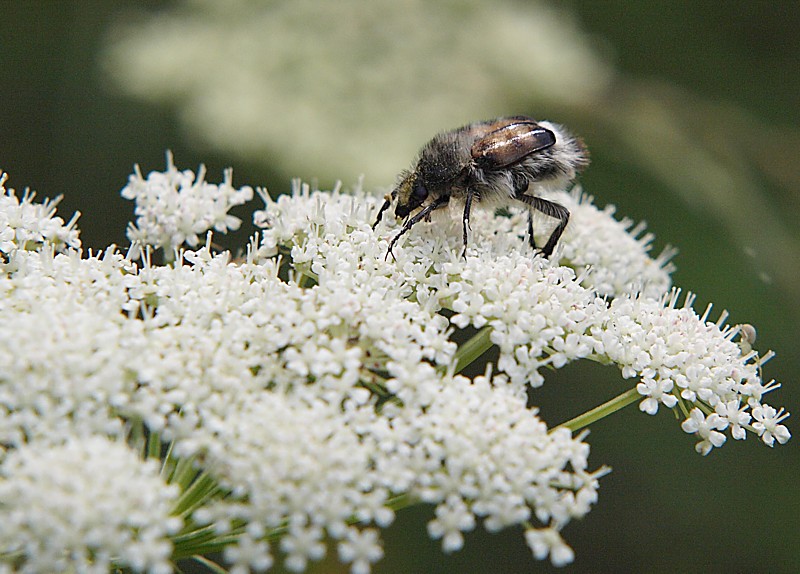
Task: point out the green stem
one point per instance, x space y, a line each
619 402
169 255
154 445
136 436
202 489
184 473
212 566
302 279
473 349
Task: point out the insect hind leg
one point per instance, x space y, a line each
551 209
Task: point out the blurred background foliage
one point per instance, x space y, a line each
691 111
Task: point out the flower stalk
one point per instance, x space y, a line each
601 411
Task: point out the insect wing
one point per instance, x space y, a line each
510 144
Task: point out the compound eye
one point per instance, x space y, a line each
420 192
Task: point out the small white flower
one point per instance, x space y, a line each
736 415
544 541
656 392
707 429
360 548
301 544
768 425
248 554
452 518
254 110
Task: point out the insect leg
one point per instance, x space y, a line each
386 204
467 207
531 239
553 210
412 221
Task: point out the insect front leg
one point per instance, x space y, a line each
386 204
412 221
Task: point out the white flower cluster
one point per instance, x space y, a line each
314 382
84 506
479 452
541 315
681 357
623 266
65 343
269 385
175 207
28 225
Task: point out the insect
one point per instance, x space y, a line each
490 163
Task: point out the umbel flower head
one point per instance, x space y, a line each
85 505
312 388
175 207
25 224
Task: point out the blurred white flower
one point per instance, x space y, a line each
76 506
282 82
544 541
360 548
65 345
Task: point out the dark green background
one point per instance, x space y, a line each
663 508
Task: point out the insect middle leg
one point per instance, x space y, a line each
467 208
531 238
